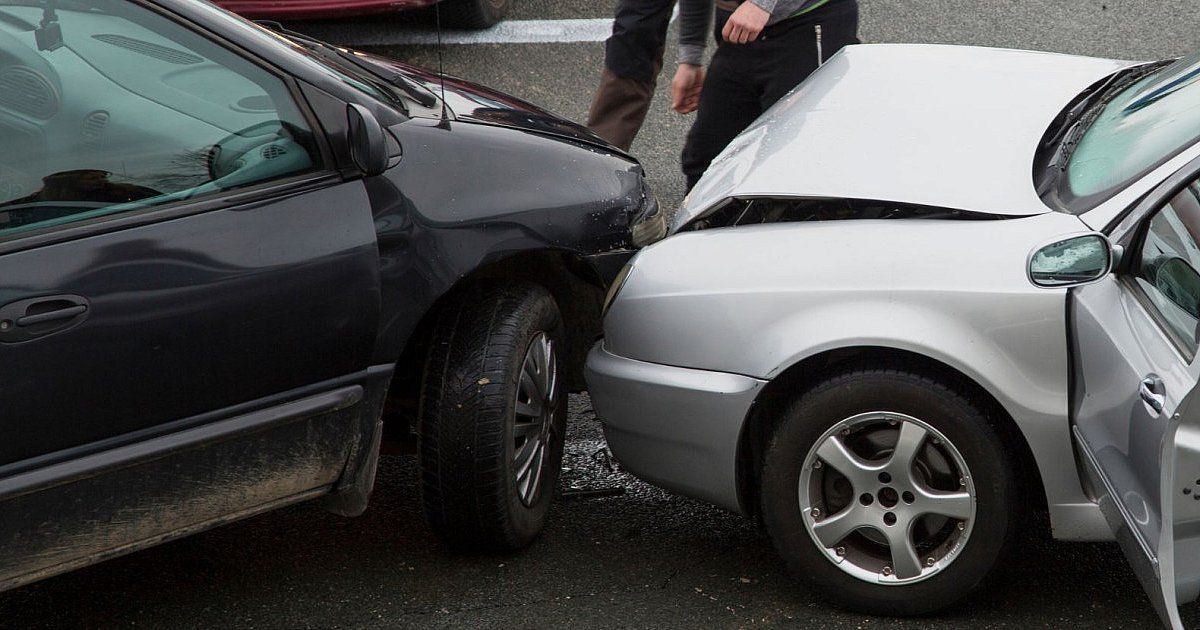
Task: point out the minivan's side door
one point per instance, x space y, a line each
175 247
1136 419
189 292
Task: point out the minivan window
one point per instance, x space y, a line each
128 109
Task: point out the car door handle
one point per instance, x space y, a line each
50 316
28 319
1153 393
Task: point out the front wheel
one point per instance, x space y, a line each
888 492
473 14
492 422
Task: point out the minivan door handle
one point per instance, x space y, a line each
28 319
1153 393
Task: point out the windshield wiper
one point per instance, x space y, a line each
395 79
1071 139
1076 121
1098 95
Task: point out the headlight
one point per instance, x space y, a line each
649 224
615 287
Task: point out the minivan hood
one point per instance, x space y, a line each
930 125
471 102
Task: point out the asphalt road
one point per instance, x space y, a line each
643 558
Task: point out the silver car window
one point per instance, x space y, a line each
1168 262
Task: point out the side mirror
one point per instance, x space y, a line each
368 140
1071 262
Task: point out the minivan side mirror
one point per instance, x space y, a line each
1071 262
368 140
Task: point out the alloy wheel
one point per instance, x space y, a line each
887 498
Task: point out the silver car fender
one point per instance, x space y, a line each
758 300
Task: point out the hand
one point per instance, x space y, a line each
685 88
745 24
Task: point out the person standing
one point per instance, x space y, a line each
633 58
764 49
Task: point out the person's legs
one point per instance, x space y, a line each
619 108
795 48
633 58
729 102
744 80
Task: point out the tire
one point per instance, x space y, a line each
472 14
478 417
809 504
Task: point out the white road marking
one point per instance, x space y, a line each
508 32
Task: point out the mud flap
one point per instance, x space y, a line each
352 492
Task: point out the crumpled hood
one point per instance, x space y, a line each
471 102
942 126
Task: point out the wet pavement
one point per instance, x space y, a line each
643 558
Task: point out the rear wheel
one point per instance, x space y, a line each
473 14
491 416
888 492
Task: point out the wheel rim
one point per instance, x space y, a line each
537 403
887 498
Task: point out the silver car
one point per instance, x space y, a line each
933 291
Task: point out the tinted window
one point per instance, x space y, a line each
1168 263
128 110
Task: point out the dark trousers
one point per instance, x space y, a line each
743 80
633 58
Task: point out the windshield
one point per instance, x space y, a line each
1148 123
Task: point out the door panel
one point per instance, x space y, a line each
189 316
1181 459
1119 346
1136 428
61 517
139 294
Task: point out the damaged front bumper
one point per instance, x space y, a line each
674 427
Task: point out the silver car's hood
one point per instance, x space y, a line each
946 126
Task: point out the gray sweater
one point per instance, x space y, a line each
695 21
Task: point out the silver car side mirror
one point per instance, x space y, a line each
1072 261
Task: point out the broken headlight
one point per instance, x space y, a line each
649 224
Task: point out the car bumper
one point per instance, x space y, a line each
316 9
675 427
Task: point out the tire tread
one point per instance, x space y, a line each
464 406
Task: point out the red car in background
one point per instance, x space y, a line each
454 13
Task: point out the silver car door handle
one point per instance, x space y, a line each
1153 393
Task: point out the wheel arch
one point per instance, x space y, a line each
577 290
765 414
